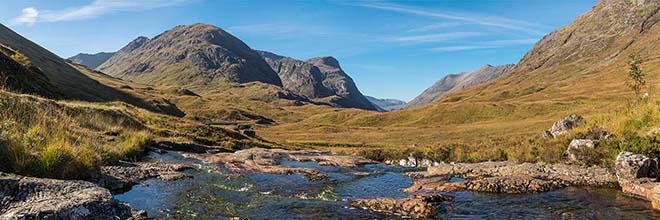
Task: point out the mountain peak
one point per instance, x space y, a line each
327 60
134 44
196 55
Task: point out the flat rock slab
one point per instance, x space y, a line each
269 160
416 206
509 177
125 175
35 198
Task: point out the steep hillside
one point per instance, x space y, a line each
197 55
386 105
90 60
319 79
456 82
43 73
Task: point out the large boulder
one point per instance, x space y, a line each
35 198
633 168
563 126
578 148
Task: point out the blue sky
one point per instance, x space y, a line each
392 49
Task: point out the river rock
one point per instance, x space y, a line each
125 175
415 206
576 150
563 126
35 198
412 162
633 168
269 161
510 177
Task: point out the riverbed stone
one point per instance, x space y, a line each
124 175
36 198
510 177
269 161
416 206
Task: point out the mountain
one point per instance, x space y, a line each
320 79
455 82
90 60
386 105
46 74
197 55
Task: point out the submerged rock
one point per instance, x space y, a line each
415 206
35 198
563 126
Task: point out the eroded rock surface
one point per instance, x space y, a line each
269 160
637 175
35 198
125 175
509 177
415 206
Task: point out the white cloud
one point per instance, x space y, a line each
479 19
434 37
95 9
484 45
28 16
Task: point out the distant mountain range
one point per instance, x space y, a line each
90 60
319 78
386 105
455 82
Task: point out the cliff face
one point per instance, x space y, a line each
194 55
318 78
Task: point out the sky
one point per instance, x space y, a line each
392 49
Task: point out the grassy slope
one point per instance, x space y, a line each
41 137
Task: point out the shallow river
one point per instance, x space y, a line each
216 194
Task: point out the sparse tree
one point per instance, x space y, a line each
636 77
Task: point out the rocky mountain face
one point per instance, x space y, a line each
90 60
320 79
192 55
592 51
386 105
456 82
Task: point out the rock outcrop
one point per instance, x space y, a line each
509 177
320 79
456 82
198 55
563 126
638 176
415 206
34 198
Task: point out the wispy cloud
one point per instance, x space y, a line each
484 45
95 9
436 26
480 19
434 37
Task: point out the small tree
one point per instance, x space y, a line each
636 77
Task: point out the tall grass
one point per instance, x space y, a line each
44 138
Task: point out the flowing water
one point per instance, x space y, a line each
216 194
